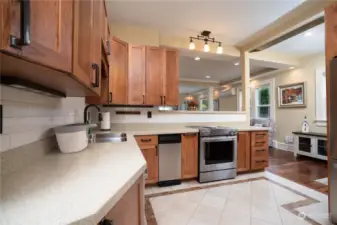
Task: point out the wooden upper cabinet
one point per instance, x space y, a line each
243 152
189 155
171 77
136 78
50 29
82 49
118 75
150 154
154 76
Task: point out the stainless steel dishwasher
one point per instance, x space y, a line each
169 159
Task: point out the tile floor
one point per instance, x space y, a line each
250 199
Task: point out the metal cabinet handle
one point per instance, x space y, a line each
260 134
156 151
95 66
161 99
260 150
110 97
109 48
145 140
143 99
24 39
164 100
260 161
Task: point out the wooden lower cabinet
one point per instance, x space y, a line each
150 154
189 156
259 150
243 152
130 209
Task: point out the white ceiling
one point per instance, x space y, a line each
302 45
187 89
218 70
230 21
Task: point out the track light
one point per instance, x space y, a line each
206 47
191 45
219 49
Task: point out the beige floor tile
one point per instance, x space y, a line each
207 214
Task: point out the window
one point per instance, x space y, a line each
262 101
320 97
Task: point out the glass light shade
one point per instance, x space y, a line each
191 45
219 50
206 47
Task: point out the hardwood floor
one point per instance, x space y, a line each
302 170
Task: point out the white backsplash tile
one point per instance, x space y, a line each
29 117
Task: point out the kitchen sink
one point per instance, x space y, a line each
107 137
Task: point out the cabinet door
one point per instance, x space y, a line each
171 81
151 156
51 33
50 28
243 152
129 210
97 43
9 25
154 76
118 77
82 44
189 156
136 78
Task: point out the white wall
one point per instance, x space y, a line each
29 117
288 120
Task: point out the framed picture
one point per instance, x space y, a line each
291 95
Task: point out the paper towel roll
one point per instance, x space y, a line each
105 123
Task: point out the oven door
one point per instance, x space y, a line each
217 153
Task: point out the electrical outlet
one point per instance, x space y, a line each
149 114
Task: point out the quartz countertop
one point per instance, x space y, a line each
78 188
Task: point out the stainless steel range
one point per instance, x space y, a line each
217 153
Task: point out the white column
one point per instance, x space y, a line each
210 99
245 78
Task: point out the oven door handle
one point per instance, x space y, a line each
217 139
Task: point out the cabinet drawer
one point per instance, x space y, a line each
259 152
147 140
259 139
259 163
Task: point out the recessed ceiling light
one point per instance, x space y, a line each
307 34
197 58
291 67
236 64
208 77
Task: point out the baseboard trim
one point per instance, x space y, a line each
283 146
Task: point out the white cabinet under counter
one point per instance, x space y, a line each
311 144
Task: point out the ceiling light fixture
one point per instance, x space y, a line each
205 36
197 58
307 34
191 45
208 77
236 64
219 49
206 47
291 67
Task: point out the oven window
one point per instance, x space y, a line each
219 152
